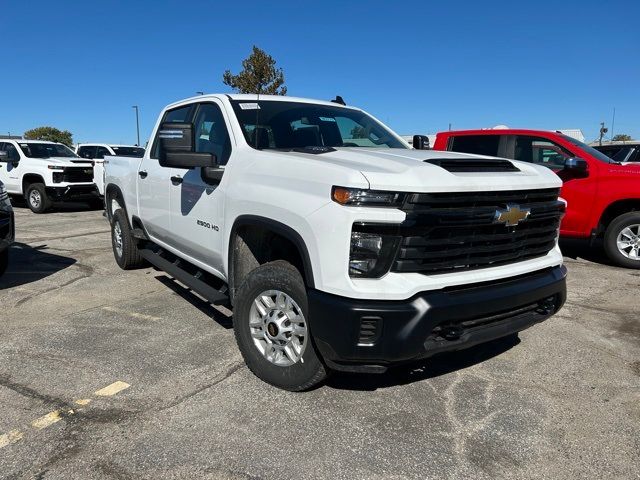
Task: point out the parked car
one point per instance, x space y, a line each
7 228
44 172
603 195
622 152
97 151
334 253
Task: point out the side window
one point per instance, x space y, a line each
211 133
101 152
12 151
87 152
540 151
177 115
478 144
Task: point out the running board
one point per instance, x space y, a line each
192 281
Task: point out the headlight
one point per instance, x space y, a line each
362 197
55 167
371 254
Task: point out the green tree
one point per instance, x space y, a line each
259 75
50 134
621 137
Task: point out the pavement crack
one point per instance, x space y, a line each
219 379
85 270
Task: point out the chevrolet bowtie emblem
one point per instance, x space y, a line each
511 216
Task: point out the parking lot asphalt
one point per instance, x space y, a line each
560 401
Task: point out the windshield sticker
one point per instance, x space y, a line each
249 106
327 119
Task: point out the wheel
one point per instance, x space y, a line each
270 323
4 261
125 249
622 240
37 199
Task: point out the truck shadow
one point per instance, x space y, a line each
20 203
581 249
205 307
423 370
29 264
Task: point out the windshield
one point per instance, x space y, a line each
590 150
288 125
129 151
46 150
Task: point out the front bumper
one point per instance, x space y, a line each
370 335
7 229
73 192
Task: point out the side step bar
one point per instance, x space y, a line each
192 281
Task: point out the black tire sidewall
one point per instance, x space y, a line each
611 237
281 276
4 260
118 218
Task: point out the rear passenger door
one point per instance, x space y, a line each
197 205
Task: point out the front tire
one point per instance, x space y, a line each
622 240
4 261
271 327
37 198
125 248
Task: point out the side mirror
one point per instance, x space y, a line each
177 148
421 142
576 167
4 157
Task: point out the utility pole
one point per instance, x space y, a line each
603 130
135 107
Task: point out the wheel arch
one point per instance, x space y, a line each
30 178
615 209
241 243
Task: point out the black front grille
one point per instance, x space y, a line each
77 175
447 232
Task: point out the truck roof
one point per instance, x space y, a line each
499 131
22 140
253 97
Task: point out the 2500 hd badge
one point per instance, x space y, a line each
204 224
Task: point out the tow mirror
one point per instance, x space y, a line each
576 167
421 142
177 148
4 157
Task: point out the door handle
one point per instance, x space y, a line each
142 173
176 180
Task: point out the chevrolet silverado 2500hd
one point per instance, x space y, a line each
7 229
96 153
336 245
44 172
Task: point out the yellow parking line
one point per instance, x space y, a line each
83 401
46 420
8 438
112 389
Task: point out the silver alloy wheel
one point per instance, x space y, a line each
628 242
35 199
117 238
278 328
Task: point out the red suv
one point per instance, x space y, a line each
603 195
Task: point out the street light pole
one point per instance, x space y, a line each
135 107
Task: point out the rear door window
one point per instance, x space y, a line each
87 151
101 152
476 144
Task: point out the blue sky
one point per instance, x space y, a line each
418 66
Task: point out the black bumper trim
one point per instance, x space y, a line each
431 322
73 192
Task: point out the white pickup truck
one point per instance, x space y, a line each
337 246
45 172
96 153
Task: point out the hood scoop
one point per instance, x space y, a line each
473 164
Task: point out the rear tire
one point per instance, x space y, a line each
4 261
271 327
37 199
125 248
622 240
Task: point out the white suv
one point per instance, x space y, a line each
97 152
44 172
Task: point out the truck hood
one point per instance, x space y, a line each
408 171
67 162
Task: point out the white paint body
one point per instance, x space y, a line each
295 190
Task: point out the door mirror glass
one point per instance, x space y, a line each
177 147
4 157
421 142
